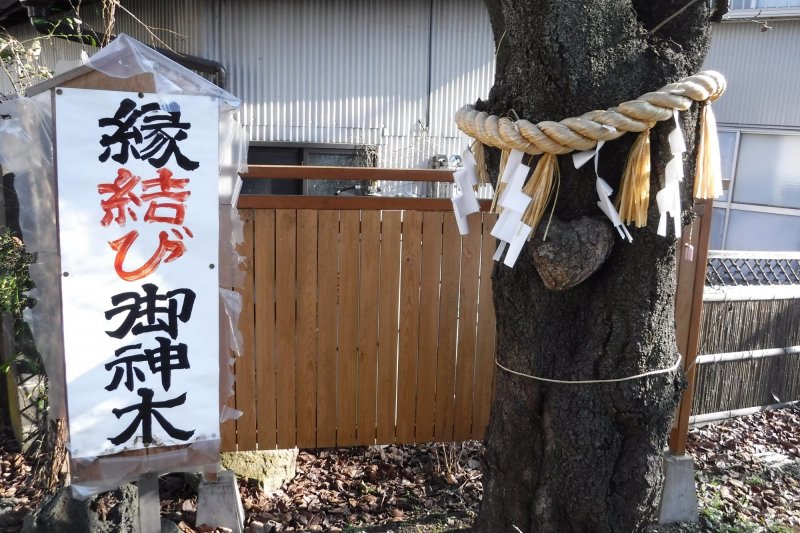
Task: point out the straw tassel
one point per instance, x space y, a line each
501 185
480 162
634 195
540 188
708 170
503 161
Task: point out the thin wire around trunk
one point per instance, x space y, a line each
672 368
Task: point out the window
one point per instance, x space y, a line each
763 4
755 10
760 210
307 154
337 155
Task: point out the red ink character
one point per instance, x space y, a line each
122 194
169 189
168 250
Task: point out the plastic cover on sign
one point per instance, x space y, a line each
26 151
230 342
26 148
125 57
231 263
93 475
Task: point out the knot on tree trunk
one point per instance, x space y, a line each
573 251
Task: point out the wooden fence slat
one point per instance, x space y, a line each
428 325
264 279
307 328
409 326
327 274
387 336
285 323
347 400
245 363
448 329
468 311
484 354
368 305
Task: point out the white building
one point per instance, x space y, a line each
757 48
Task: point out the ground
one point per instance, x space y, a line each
748 478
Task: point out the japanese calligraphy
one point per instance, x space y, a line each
161 130
138 196
121 194
145 313
165 196
162 360
145 412
151 311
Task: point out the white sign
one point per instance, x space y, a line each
137 202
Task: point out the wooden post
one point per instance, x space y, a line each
688 312
149 504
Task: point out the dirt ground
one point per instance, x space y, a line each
747 475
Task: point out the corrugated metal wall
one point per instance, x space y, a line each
390 74
762 69
357 71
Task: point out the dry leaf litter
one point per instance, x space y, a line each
747 472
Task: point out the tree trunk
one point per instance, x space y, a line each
587 457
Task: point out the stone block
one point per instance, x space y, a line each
219 503
270 468
679 499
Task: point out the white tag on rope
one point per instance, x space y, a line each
465 203
513 197
521 235
461 219
714 154
581 158
604 190
506 225
514 160
668 199
509 225
467 159
501 247
605 204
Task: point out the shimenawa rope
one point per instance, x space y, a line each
583 132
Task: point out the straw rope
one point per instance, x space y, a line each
583 132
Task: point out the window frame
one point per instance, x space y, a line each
750 13
728 205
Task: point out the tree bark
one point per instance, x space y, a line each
568 457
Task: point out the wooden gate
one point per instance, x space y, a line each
366 320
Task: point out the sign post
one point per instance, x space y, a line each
137 186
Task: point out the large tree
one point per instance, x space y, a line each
572 457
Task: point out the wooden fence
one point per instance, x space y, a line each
369 320
362 325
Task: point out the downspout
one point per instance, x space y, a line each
430 68
48 21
